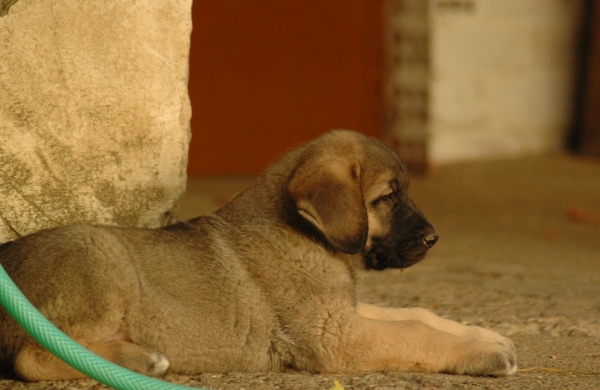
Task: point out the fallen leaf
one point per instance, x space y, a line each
577 214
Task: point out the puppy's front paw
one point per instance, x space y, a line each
477 332
487 358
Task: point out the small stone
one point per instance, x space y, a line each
577 333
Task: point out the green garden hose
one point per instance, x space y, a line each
49 336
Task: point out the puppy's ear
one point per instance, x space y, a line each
330 198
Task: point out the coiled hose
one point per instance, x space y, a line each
51 338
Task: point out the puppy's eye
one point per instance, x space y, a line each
385 198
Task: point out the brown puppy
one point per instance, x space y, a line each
266 282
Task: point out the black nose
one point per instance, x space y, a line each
430 240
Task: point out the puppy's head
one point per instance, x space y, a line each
350 191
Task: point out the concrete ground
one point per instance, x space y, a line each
519 253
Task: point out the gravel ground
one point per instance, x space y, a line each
519 253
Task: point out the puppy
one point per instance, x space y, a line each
266 282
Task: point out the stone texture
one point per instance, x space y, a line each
94 112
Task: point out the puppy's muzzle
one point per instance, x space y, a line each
429 237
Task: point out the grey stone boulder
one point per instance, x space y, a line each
94 112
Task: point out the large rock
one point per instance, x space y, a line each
94 112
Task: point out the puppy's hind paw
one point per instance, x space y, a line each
157 365
132 356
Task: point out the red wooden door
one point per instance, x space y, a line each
268 75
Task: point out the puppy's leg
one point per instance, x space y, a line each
35 363
376 345
428 318
132 356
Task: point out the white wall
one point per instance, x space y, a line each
501 76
